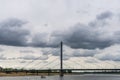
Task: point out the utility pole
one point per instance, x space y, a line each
61 59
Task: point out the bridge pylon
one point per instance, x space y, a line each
61 59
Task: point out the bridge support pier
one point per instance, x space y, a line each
61 60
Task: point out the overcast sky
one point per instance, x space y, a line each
33 29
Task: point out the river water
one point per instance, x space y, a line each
67 77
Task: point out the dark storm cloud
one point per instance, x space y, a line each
101 19
42 40
89 36
83 37
105 15
13 22
12 33
86 36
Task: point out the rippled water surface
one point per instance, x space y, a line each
67 77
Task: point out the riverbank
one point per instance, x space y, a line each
24 74
14 74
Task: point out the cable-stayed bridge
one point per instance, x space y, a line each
58 64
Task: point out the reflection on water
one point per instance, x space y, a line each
61 78
67 77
